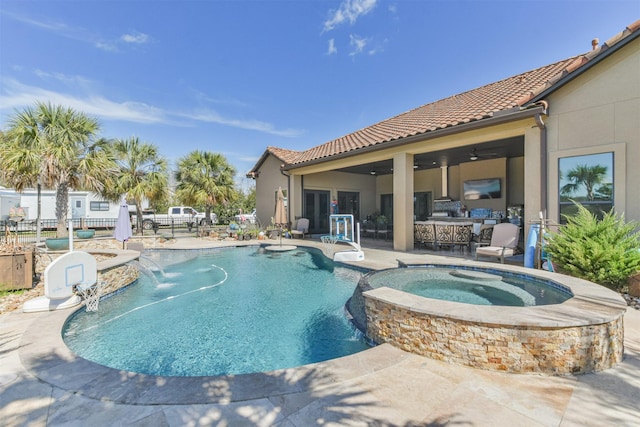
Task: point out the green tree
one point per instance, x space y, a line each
142 174
54 146
603 251
584 176
249 199
205 179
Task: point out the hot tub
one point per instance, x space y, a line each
582 334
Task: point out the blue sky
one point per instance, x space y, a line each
234 77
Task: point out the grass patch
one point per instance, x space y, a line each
4 293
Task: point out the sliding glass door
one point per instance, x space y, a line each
316 209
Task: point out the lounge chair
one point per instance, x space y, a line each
302 228
504 242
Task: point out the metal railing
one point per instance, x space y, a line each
24 232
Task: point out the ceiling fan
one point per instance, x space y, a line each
473 155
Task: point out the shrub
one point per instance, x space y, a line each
603 251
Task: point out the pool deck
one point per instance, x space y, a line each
43 384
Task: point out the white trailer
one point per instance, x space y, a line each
84 206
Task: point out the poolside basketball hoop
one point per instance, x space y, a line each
343 228
329 242
91 295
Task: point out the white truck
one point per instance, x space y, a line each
247 218
177 216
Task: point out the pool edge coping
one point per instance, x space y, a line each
44 354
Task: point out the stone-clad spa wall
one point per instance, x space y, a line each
517 349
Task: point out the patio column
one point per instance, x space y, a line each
532 175
403 202
294 198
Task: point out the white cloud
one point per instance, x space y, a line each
64 78
80 34
15 96
357 43
349 11
51 26
260 126
137 38
205 98
106 46
332 47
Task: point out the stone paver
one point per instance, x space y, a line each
42 384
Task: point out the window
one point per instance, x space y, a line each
99 206
588 180
349 203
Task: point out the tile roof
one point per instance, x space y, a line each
287 156
477 104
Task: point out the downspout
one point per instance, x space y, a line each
283 172
543 156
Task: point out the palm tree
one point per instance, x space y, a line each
586 176
205 179
142 174
54 146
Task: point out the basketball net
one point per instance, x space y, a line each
91 295
329 242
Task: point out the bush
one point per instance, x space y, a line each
603 251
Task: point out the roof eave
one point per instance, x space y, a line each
255 169
465 127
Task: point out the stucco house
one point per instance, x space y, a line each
528 141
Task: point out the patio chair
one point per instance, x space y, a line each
504 242
302 228
425 233
484 234
369 229
384 231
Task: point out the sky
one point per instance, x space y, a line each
234 77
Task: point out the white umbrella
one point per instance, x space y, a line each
122 232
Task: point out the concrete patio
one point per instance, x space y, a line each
43 384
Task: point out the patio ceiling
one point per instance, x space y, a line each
511 147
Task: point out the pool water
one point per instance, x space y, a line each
226 311
471 287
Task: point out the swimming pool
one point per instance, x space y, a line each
225 311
